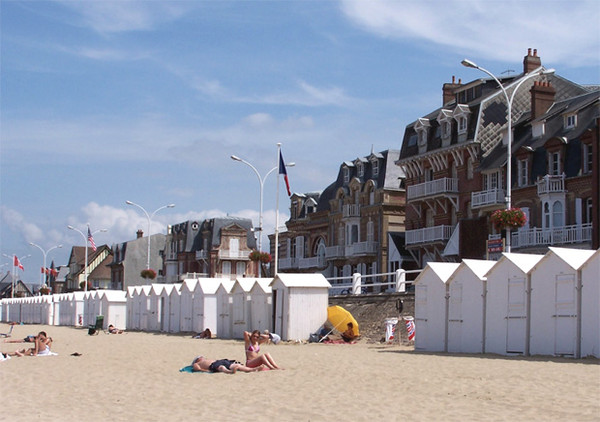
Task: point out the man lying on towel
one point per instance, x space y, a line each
228 366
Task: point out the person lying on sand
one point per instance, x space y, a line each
202 364
28 339
204 334
114 330
40 348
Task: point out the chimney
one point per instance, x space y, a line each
139 234
531 61
542 97
448 90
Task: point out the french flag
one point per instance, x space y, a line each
283 170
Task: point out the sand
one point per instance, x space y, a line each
135 376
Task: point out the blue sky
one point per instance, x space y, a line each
107 101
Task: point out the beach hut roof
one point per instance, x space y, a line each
523 261
209 285
575 258
226 284
479 267
115 295
302 280
264 284
245 283
190 284
443 270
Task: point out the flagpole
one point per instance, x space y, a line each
276 261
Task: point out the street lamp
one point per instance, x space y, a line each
261 181
149 217
509 100
45 253
85 241
14 272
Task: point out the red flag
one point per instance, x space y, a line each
283 170
43 270
91 240
17 263
53 272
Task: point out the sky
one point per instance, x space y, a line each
103 102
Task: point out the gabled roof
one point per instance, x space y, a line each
523 261
575 258
479 267
301 280
443 270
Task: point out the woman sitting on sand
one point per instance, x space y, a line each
41 347
252 342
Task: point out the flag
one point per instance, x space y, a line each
91 240
43 270
282 170
410 328
17 263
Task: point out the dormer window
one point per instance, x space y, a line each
360 169
346 174
460 114
375 167
462 124
422 128
445 120
570 121
554 163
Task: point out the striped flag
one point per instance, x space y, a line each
17 263
410 328
91 240
283 170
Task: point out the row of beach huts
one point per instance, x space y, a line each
522 304
294 305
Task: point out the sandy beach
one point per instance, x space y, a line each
135 376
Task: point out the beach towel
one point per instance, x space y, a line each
49 354
190 370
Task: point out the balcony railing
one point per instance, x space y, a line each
557 236
287 263
351 210
486 198
201 254
441 186
429 234
240 255
551 184
312 262
359 248
335 252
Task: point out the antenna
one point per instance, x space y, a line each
507 71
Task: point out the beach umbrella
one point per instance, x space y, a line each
339 318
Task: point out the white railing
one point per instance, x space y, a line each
556 236
487 197
313 262
429 234
434 187
351 210
362 248
551 184
335 251
355 283
287 263
201 254
227 254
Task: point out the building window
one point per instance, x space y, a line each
423 137
523 171
470 168
346 174
226 268
462 124
446 129
490 181
375 168
587 158
557 214
428 175
240 268
570 121
587 212
370 231
372 197
554 163
361 169
546 221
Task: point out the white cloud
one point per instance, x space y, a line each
19 224
499 30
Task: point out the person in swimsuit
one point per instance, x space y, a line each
252 342
29 339
228 366
41 347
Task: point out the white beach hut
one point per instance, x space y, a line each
155 308
164 312
224 308
241 306
186 303
174 325
466 306
590 306
205 304
113 305
507 310
144 299
555 282
130 293
55 309
431 306
261 306
300 304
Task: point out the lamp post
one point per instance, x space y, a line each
85 241
509 100
45 253
261 181
149 217
14 272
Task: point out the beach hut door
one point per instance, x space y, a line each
565 316
455 320
421 317
516 317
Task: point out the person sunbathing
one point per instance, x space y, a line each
228 366
349 335
41 346
204 334
252 342
114 330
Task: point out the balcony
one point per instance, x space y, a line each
201 255
486 198
551 184
351 210
579 233
356 249
429 235
313 262
434 188
287 263
238 255
332 252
